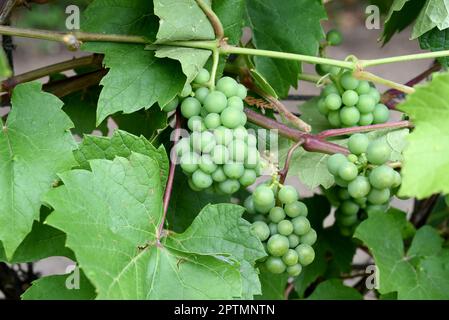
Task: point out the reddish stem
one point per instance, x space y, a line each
346 131
283 173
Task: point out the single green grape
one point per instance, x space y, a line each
242 92
172 105
201 179
293 240
238 150
378 152
329 89
207 142
296 209
207 165
234 170
352 158
381 114
366 104
231 117
249 205
186 91
322 108
278 245
349 116
334 162
363 87
253 159
273 228
359 188
196 123
215 102
334 119
240 133
276 214
358 143
397 180
366 119
294 271
202 77
375 94
190 107
378 197
322 69
333 101
290 258
285 227
348 82
361 201
189 162
235 102
229 186
201 94
212 121
343 194
219 175
334 37
348 220
223 135
228 86
306 254
350 98
193 186
348 171
309 238
288 194
263 196
382 177
275 265
261 230
220 154
264 208
248 177
349 208
335 71
182 147
301 225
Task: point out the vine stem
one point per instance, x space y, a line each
213 19
346 131
171 176
213 74
405 58
364 75
283 173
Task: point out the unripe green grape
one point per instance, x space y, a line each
378 197
349 208
348 82
375 94
238 150
207 165
207 142
309 238
277 245
350 98
248 178
366 103
190 107
322 109
333 101
264 208
201 179
361 201
306 254
215 102
285 227
349 116
228 86
359 188
249 205
240 133
196 123
261 230
172 105
182 147
301 225
347 220
352 158
231 117
366 119
334 162
276 214
275 265
273 228
288 194
382 177
358 143
397 180
381 114
343 194
363 87
348 171
229 186
223 135
296 209
378 152
293 240
243 119
334 119
202 77
251 140
220 154
193 186
186 91
253 158
329 89
242 92
322 69
335 71
219 175
334 37
294 271
340 182
201 94
195 141
189 162
212 121
263 196
233 170
290 258
235 102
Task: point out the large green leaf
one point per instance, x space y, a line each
288 26
273 285
426 158
145 123
230 13
435 13
422 273
35 145
334 289
402 14
136 79
436 40
121 144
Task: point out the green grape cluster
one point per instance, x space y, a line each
220 154
348 102
282 225
365 182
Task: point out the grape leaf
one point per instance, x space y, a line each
288 26
273 285
422 273
230 13
402 13
35 145
181 20
55 288
435 13
310 114
145 123
425 158
334 289
136 78
121 144
436 40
